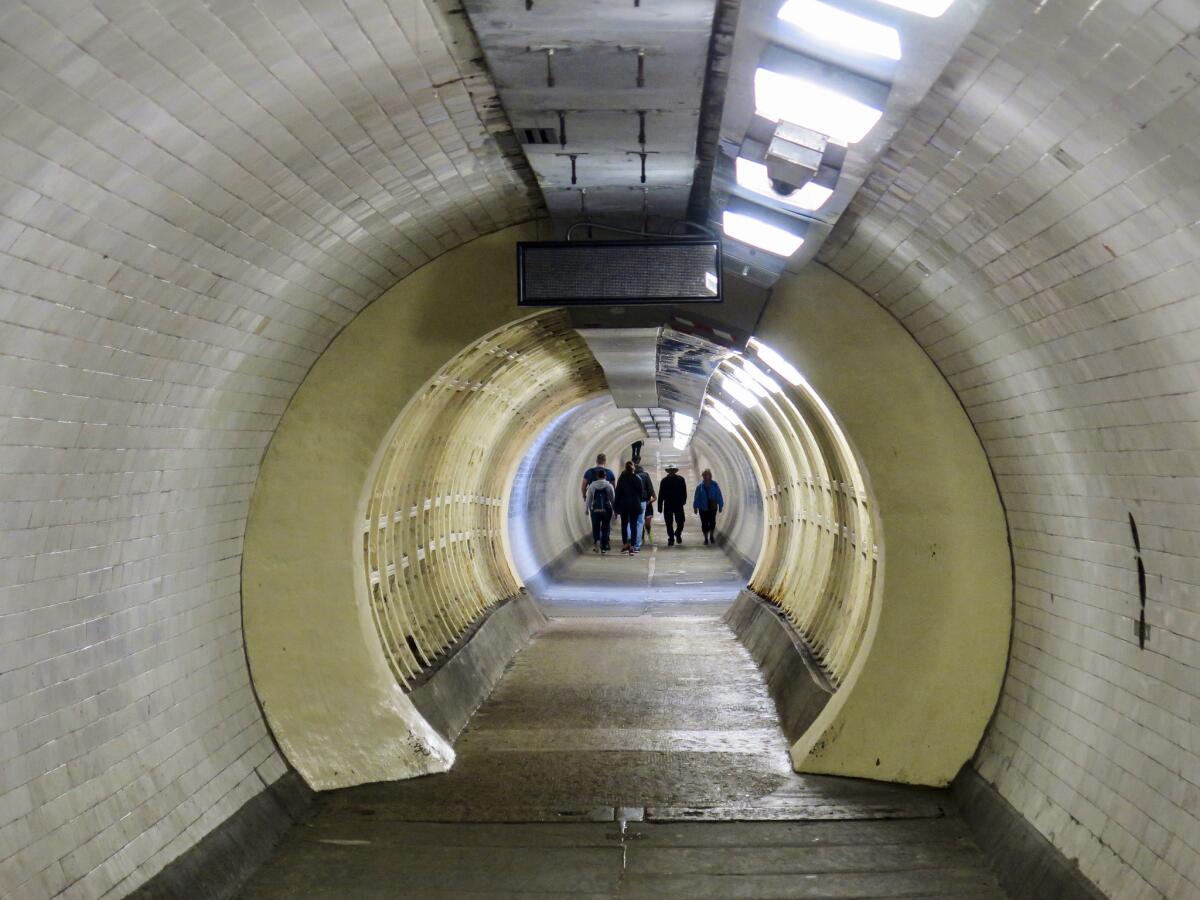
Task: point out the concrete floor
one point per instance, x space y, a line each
631 749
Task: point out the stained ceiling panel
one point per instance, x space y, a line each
604 97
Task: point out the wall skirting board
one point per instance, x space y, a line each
1027 863
537 583
451 695
222 861
793 676
743 564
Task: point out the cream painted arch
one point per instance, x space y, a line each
318 666
914 705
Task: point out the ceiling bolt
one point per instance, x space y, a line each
641 70
642 127
642 154
573 158
562 128
583 210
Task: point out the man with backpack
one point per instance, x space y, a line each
599 500
598 471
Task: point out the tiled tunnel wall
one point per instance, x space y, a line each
196 198
1034 228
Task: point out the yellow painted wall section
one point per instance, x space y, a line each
318 666
913 707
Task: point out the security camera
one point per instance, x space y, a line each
782 188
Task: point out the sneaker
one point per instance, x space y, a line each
671 542
595 548
604 552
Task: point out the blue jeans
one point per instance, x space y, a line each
637 528
601 523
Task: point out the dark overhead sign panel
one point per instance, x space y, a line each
618 273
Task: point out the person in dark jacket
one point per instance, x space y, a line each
600 470
672 498
599 504
708 502
648 496
628 506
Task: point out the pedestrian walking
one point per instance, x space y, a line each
628 505
600 470
672 498
647 504
707 502
599 501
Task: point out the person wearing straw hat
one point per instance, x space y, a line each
672 498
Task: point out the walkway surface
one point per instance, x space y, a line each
630 750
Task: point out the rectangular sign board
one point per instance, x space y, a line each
618 273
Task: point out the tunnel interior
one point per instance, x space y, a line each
458 487
694 683
257 310
475 491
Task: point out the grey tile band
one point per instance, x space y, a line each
222 861
1027 863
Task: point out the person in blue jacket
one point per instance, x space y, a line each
707 502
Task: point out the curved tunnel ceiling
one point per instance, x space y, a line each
197 198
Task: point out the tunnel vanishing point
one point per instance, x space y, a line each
316 311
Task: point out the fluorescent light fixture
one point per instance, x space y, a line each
681 441
684 424
744 379
803 102
931 8
760 376
758 233
737 391
753 177
777 363
836 26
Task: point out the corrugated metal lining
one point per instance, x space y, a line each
433 538
819 553
685 363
